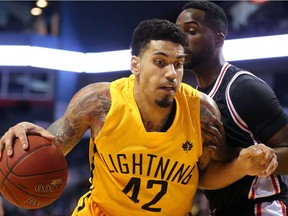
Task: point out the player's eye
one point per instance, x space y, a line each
191 31
159 62
178 65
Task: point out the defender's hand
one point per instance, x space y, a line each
213 131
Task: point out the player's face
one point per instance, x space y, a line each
201 38
159 72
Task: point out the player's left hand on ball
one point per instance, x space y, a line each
19 131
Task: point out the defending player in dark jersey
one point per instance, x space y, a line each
250 113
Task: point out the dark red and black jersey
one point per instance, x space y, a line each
251 114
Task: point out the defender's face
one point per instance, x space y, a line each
159 72
201 38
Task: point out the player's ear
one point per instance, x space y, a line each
135 69
220 37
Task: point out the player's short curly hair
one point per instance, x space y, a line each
214 15
155 29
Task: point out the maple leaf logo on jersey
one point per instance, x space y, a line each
187 146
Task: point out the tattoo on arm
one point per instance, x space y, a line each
205 115
65 135
88 110
106 102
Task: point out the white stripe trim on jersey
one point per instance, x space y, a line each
219 79
264 187
237 119
275 208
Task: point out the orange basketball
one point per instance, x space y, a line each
33 178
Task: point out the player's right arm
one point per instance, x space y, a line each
87 110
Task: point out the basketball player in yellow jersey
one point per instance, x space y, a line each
146 149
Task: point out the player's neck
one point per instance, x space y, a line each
156 120
208 73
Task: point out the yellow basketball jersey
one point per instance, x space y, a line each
146 173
